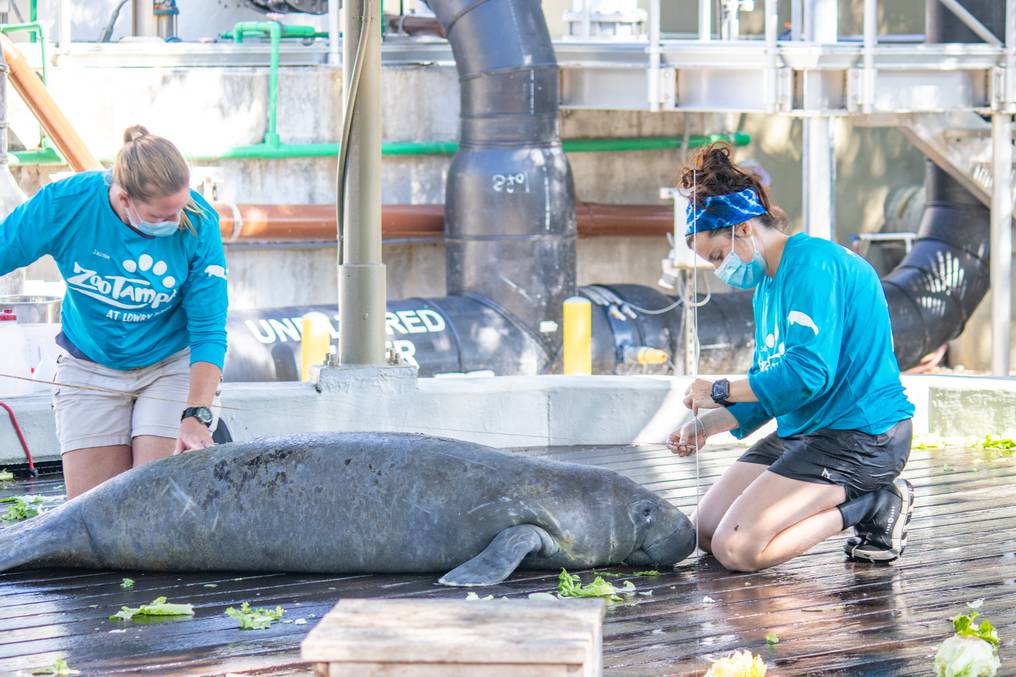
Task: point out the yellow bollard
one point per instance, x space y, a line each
578 328
315 340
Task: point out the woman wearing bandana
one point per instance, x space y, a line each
824 368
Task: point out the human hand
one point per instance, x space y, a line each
699 396
688 439
193 435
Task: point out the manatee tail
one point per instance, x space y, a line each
56 538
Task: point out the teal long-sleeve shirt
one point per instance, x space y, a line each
823 347
131 300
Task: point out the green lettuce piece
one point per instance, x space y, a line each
1005 446
6 475
544 596
570 585
59 668
158 607
961 656
772 638
255 619
608 574
127 583
965 626
20 508
650 573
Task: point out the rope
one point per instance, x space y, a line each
695 363
106 391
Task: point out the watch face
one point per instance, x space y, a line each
202 414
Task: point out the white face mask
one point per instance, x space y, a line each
159 229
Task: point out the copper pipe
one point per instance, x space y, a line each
414 25
277 222
46 110
597 220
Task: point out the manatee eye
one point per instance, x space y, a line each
646 512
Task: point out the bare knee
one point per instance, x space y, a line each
737 551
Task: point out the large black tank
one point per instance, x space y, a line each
510 198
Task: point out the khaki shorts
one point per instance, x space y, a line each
91 418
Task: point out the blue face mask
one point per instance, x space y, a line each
741 274
160 229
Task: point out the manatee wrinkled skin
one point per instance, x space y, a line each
356 503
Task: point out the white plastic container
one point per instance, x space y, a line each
14 358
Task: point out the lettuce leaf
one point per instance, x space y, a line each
255 619
158 607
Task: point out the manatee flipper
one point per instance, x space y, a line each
499 559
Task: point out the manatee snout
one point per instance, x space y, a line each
668 540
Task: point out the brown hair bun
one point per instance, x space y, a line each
133 133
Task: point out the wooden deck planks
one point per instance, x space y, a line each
833 617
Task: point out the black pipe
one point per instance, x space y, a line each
511 237
455 334
510 198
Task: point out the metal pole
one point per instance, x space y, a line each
1002 209
772 57
705 20
821 21
144 23
334 32
654 56
731 20
361 273
870 40
1001 243
819 144
64 34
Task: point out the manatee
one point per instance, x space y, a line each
356 503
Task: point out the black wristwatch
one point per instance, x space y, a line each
202 414
720 392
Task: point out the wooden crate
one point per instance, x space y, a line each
431 638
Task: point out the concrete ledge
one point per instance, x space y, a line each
963 405
513 411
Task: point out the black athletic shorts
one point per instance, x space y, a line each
857 461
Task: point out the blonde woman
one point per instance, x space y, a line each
144 313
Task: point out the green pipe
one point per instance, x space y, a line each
651 143
46 155
264 151
33 16
274 31
34 28
281 151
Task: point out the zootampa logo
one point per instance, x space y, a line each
121 291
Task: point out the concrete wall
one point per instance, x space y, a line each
209 110
514 411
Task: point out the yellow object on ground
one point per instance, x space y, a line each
578 328
740 663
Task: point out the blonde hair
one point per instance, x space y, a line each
149 166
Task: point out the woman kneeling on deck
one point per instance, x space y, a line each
145 309
824 369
